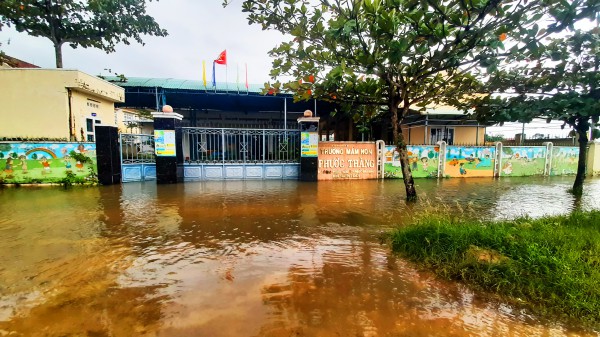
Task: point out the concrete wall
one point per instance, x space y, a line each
36 102
469 135
593 163
415 135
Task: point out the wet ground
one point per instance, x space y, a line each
264 258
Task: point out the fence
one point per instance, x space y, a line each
138 161
240 146
433 161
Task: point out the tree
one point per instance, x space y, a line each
400 55
497 138
559 82
95 23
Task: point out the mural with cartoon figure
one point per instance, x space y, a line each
464 161
422 159
564 160
22 163
518 161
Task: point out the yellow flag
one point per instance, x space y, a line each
204 73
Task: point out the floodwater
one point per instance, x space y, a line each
254 258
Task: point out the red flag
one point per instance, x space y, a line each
222 59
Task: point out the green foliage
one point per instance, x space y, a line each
548 264
31 139
397 56
70 179
99 24
489 138
556 80
80 157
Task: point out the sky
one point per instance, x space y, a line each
198 30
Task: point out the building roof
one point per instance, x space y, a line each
14 62
144 92
443 120
174 83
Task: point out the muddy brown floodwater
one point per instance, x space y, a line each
253 258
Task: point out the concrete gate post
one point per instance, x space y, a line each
168 146
593 159
108 155
309 146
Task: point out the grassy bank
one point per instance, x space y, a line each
551 265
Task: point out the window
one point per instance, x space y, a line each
90 131
441 134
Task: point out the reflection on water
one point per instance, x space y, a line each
249 259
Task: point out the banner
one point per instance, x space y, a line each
164 143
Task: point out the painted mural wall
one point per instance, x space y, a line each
474 161
564 160
24 163
423 160
463 161
520 161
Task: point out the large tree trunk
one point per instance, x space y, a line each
58 54
582 128
409 183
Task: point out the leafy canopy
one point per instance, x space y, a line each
402 55
558 80
417 52
100 24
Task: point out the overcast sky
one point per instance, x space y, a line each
198 30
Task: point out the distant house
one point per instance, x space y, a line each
55 104
133 121
11 62
443 123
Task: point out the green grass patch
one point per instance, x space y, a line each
551 264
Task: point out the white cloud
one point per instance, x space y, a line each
198 30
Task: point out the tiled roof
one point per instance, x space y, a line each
173 83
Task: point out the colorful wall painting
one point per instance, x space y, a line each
423 160
24 163
462 161
564 160
521 161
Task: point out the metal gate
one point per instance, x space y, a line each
224 153
138 162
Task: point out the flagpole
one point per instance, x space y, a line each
214 78
226 77
237 79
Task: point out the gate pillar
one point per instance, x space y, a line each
168 146
108 155
309 146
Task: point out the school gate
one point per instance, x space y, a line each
218 154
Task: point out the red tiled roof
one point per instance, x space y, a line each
16 63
